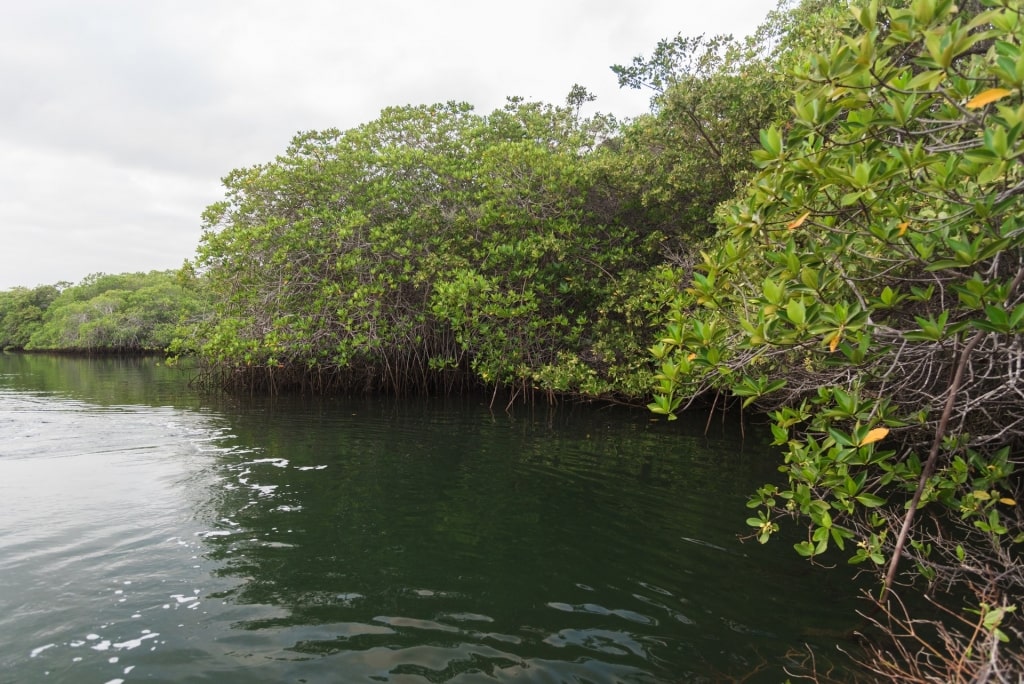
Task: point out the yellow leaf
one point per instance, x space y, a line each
835 342
903 227
1008 501
691 357
981 495
796 223
874 436
986 97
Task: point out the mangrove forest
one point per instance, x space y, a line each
819 227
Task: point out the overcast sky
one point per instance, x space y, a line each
119 117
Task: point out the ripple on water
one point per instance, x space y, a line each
595 609
94 500
386 549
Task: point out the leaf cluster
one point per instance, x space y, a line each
428 247
867 288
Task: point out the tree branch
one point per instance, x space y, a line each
929 466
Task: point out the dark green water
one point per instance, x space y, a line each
149 534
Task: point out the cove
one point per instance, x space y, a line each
153 534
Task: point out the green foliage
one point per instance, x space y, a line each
876 251
712 96
429 243
525 248
21 313
127 312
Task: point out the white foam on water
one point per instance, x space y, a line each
135 643
279 462
36 651
102 646
214 533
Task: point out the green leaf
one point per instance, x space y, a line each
796 312
870 500
772 292
771 141
804 548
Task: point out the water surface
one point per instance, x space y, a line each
151 534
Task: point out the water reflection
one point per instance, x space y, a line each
357 540
447 541
102 380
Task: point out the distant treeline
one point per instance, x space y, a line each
126 313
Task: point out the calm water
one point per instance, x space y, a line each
149 534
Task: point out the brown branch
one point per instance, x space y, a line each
929 466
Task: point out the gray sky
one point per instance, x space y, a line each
119 117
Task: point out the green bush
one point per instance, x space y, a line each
868 290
